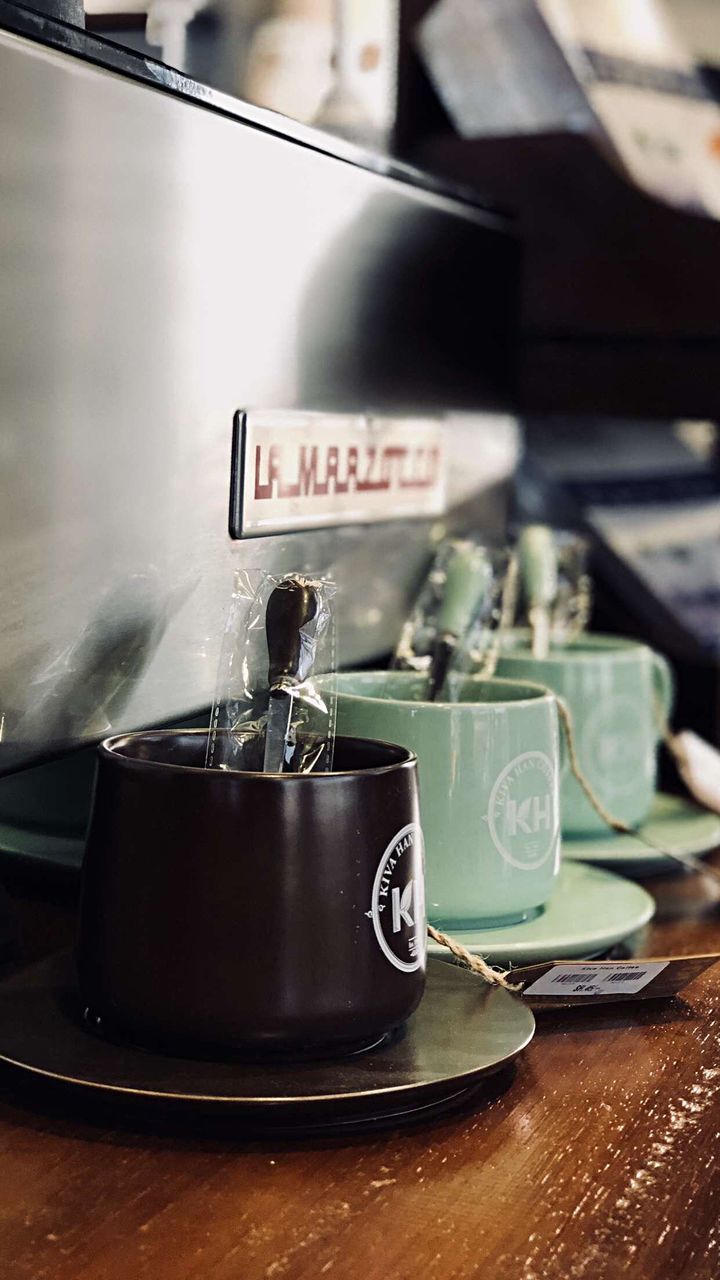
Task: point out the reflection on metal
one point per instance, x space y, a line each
161 265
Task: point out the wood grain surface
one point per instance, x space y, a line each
594 1159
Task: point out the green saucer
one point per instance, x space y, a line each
589 912
679 825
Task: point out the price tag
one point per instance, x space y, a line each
699 765
596 979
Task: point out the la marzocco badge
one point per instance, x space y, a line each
398 901
523 811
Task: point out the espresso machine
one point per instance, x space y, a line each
172 259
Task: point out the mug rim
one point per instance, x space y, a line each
541 692
599 644
110 747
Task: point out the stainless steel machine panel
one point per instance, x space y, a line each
161 266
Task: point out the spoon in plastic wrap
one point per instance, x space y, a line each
468 577
539 573
292 606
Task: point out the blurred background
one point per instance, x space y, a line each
596 125
642 74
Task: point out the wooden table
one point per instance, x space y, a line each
595 1159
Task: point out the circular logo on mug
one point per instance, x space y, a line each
523 811
614 744
398 901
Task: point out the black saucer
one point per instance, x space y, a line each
462 1032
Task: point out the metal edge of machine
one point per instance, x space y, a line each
168 256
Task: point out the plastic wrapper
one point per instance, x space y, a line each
468 597
571 604
241 709
481 650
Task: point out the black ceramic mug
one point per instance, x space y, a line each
252 911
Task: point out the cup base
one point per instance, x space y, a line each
477 924
108 1029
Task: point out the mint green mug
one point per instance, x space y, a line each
489 776
617 692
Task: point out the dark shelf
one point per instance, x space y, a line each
94 48
619 292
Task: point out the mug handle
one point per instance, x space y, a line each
664 687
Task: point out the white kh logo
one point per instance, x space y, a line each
401 907
397 909
529 816
523 811
617 746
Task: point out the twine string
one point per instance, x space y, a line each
496 977
687 861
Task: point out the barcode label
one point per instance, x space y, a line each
568 977
595 979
